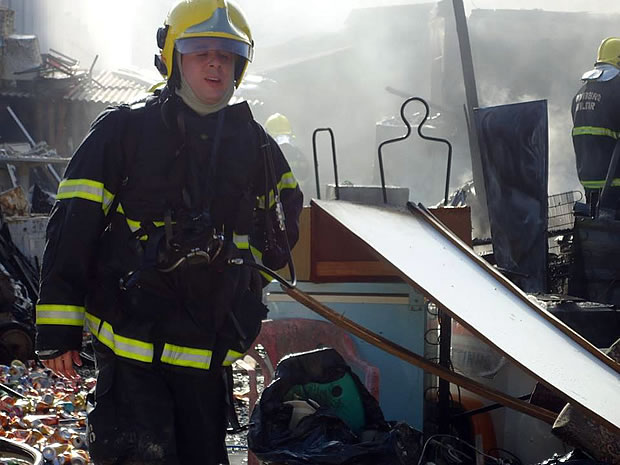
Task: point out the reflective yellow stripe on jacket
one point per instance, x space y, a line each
287 181
241 241
86 189
68 315
133 349
595 131
258 258
186 356
231 357
135 225
600 184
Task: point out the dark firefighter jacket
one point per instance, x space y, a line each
180 318
596 130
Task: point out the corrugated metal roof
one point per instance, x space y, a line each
110 87
107 87
116 87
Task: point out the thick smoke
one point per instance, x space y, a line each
328 64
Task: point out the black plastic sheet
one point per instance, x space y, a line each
514 149
596 275
323 438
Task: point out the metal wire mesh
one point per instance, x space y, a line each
560 213
561 221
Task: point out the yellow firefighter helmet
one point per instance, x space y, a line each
609 51
278 125
199 25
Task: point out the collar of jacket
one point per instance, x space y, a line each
602 72
236 115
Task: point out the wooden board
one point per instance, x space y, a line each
336 256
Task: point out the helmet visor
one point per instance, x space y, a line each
204 44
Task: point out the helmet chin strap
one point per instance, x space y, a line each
191 99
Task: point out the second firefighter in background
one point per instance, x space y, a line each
279 127
596 126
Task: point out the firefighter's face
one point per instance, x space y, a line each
209 73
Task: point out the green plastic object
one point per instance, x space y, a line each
341 396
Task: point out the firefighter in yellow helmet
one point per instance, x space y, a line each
596 127
155 204
279 127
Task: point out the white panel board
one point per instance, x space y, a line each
451 275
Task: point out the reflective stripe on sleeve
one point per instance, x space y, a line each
186 356
122 346
231 357
242 241
67 315
258 258
595 131
86 189
600 184
287 181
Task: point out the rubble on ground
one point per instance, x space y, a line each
44 411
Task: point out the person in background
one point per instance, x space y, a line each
279 127
596 127
160 208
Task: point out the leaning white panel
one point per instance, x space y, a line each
451 275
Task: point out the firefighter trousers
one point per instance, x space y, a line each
151 415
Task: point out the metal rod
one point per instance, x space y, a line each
12 170
92 66
444 141
67 57
12 392
417 360
21 126
50 167
471 96
488 408
423 136
421 211
316 161
611 174
391 141
445 341
54 173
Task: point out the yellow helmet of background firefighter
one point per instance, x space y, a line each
278 125
609 51
198 25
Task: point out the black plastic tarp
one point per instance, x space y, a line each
596 274
514 149
326 437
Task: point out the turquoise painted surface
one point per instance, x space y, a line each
341 396
402 384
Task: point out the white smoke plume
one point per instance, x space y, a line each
332 71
